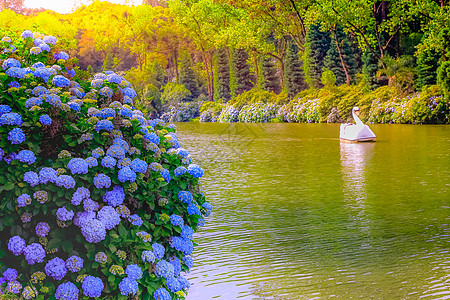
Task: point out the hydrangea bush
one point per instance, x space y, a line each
97 201
258 112
415 109
184 112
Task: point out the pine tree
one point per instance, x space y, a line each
188 78
294 76
318 43
271 80
370 68
241 72
427 64
108 63
342 51
223 75
90 70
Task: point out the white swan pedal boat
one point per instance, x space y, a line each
355 133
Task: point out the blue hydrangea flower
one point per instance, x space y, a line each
102 181
67 291
188 261
93 231
11 119
11 62
176 220
128 286
195 170
182 152
129 92
208 207
47 175
134 272
152 138
92 162
14 84
34 253
158 250
148 256
83 218
185 196
186 232
105 91
97 83
182 245
27 34
101 257
39 90
90 205
162 294
104 125
97 152
135 220
107 112
109 217
124 163
114 197
4 109
14 287
92 286
176 263
79 195
16 136
108 162
42 229
45 120
44 47
16 245
10 274
78 166
61 55
126 174
116 151
56 268
173 284
193 209
184 283
114 78
126 112
24 200
180 171
65 181
166 175
74 106
49 39
31 178
64 215
15 72
164 269
74 263
139 165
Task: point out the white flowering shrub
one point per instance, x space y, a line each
97 201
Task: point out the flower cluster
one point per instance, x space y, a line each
92 200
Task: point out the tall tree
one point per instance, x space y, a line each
427 65
318 43
14 5
187 76
295 77
223 75
241 72
271 79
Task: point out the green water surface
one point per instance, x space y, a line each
299 215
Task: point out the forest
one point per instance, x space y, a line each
262 61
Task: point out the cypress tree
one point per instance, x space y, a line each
294 76
318 45
108 63
370 68
427 64
188 78
271 80
350 56
241 72
223 75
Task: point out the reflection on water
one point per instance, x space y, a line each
298 215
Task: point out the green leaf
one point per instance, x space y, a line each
9 186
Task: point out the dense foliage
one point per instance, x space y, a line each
97 200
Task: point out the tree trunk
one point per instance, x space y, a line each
175 64
211 66
344 66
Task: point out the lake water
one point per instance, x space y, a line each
299 215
